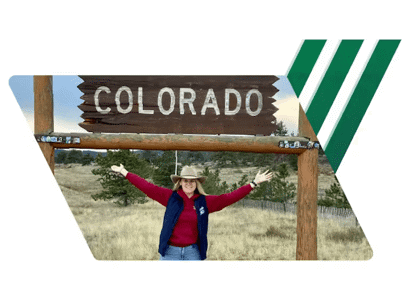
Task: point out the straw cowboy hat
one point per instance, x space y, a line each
188 173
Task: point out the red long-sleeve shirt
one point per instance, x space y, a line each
186 229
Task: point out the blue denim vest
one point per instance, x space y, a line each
174 209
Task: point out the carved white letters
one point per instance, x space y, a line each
141 109
171 105
210 102
187 96
183 100
248 104
238 102
97 102
130 100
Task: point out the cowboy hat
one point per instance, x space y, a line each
188 173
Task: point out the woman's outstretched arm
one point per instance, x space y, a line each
157 193
216 203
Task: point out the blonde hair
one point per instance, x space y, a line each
199 188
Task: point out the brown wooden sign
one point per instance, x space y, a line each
179 104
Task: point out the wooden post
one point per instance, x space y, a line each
306 229
43 114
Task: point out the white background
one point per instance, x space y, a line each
43 253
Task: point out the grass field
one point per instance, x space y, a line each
235 233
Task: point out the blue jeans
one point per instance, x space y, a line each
181 253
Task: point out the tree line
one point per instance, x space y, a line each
157 167
74 157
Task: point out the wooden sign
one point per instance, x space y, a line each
179 104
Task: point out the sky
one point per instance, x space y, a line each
67 115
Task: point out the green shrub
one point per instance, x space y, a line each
213 185
334 196
116 186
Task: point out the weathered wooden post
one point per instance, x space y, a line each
43 114
306 229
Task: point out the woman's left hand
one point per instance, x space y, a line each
120 169
263 177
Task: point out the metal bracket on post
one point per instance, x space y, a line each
40 138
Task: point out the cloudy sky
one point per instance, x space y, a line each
67 98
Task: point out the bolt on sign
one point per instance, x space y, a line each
179 104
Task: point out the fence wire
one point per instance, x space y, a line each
343 216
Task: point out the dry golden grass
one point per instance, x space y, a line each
235 233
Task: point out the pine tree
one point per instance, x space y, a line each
335 197
87 160
281 130
74 156
213 185
116 186
282 189
61 157
293 161
278 189
164 167
225 158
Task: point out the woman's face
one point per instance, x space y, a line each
188 186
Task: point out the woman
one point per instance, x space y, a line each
185 226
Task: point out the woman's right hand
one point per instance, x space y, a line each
119 169
262 177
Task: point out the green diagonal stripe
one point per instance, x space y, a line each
304 63
331 82
360 100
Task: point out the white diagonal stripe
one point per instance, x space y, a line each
319 70
345 92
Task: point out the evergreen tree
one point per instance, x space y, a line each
281 130
116 186
234 187
223 188
293 161
225 159
61 157
164 167
87 159
282 189
246 158
264 160
213 185
192 157
150 156
334 197
278 189
74 156
199 157
244 180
